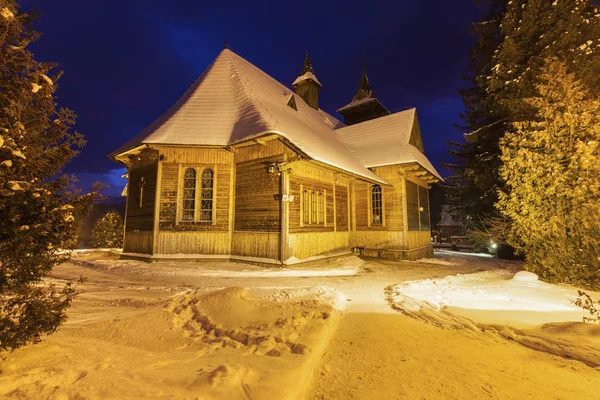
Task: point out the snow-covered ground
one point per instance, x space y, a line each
348 329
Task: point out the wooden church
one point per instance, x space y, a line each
244 168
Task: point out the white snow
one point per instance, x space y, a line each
307 75
6 13
490 290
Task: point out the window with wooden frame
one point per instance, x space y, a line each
321 212
305 207
313 207
188 208
376 205
206 199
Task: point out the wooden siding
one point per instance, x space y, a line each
424 204
255 244
171 189
412 204
256 205
194 155
418 239
143 167
341 208
295 217
138 242
193 243
310 244
378 239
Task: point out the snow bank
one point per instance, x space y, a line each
490 290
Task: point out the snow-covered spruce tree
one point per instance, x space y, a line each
471 191
37 209
513 42
108 231
551 166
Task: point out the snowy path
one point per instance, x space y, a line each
118 328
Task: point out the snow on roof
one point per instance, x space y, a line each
385 141
355 103
307 75
234 101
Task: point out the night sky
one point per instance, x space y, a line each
127 61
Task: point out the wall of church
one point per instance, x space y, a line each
326 229
257 220
141 196
176 235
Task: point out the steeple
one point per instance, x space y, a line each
307 65
364 89
364 105
307 85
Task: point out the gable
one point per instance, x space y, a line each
415 137
292 102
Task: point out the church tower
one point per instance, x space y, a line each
364 105
307 85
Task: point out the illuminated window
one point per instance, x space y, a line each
305 207
314 208
206 199
376 206
189 195
321 216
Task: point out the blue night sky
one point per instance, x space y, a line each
127 61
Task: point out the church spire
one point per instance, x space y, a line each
364 105
364 88
307 64
307 85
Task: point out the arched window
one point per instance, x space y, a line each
206 199
321 216
305 207
313 207
376 206
189 195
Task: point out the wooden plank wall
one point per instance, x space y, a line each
341 207
143 165
189 237
378 239
256 244
193 242
309 244
418 239
256 205
138 242
412 201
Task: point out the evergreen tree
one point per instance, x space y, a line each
513 41
551 166
37 209
472 190
108 231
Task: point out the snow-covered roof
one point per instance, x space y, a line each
356 103
385 141
234 101
305 76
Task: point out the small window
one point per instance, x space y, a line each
321 216
305 207
206 200
189 195
376 206
314 208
